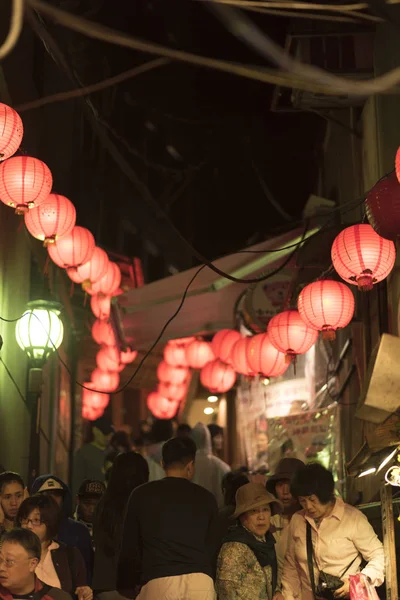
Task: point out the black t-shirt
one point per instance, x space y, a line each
24 596
170 529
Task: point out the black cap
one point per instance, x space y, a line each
104 425
91 488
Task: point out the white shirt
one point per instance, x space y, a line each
46 571
340 537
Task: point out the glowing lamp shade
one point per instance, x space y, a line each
40 330
326 305
108 359
91 414
397 165
222 343
168 374
74 249
290 334
128 357
103 333
362 257
105 381
198 354
239 357
175 355
101 306
172 391
25 182
11 131
263 358
54 218
93 398
160 407
109 284
382 206
217 377
93 270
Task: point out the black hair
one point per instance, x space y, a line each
50 513
313 480
121 439
178 451
231 482
10 477
25 538
183 430
215 429
161 431
129 471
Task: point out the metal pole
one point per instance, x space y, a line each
389 543
35 378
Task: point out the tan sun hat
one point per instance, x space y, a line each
254 495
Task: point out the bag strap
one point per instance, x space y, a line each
348 567
310 557
40 593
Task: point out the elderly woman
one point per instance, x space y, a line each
327 538
247 565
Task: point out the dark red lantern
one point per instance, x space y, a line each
263 358
160 407
238 357
175 355
172 391
108 359
53 219
11 131
107 381
198 354
290 334
326 305
101 306
128 357
383 207
362 257
109 284
168 374
223 342
25 182
103 333
74 249
218 377
91 271
92 398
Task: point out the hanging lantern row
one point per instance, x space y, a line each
11 131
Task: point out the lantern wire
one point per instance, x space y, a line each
16 23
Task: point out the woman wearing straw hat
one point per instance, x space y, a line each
247 565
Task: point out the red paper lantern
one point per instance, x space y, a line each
128 357
362 257
223 342
217 377
25 182
182 341
160 407
11 131
51 220
383 207
101 306
108 359
172 391
74 249
397 165
263 358
168 374
91 414
326 305
106 381
290 334
175 355
198 354
103 333
92 271
92 398
109 284
238 357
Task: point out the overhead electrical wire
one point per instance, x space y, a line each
16 23
304 15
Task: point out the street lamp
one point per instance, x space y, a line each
39 332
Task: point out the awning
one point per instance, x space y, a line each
210 302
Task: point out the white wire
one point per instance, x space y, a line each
17 20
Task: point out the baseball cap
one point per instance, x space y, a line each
91 488
104 425
51 485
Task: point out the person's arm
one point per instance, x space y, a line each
129 566
232 566
290 584
371 549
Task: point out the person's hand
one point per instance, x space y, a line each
84 592
278 596
344 591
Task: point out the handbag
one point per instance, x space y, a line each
361 588
327 583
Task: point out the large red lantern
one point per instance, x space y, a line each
168 374
128 357
91 271
109 284
382 206
74 249
326 305
238 357
93 398
101 306
11 131
218 377
91 414
172 391
198 354
175 355
51 220
108 359
103 333
290 334
25 182
107 381
263 358
223 342
160 407
362 257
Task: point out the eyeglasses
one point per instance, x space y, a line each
33 522
9 563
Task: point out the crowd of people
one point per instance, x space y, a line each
164 516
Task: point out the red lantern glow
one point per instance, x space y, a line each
101 306
103 333
25 182
326 305
94 399
92 271
51 220
198 354
108 359
239 357
290 334
11 131
397 165
217 377
160 407
74 249
109 284
383 207
263 358
91 414
183 341
105 380
128 357
362 257
172 392
168 374
223 342
175 355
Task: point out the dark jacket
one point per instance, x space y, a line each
105 557
42 592
70 533
70 568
